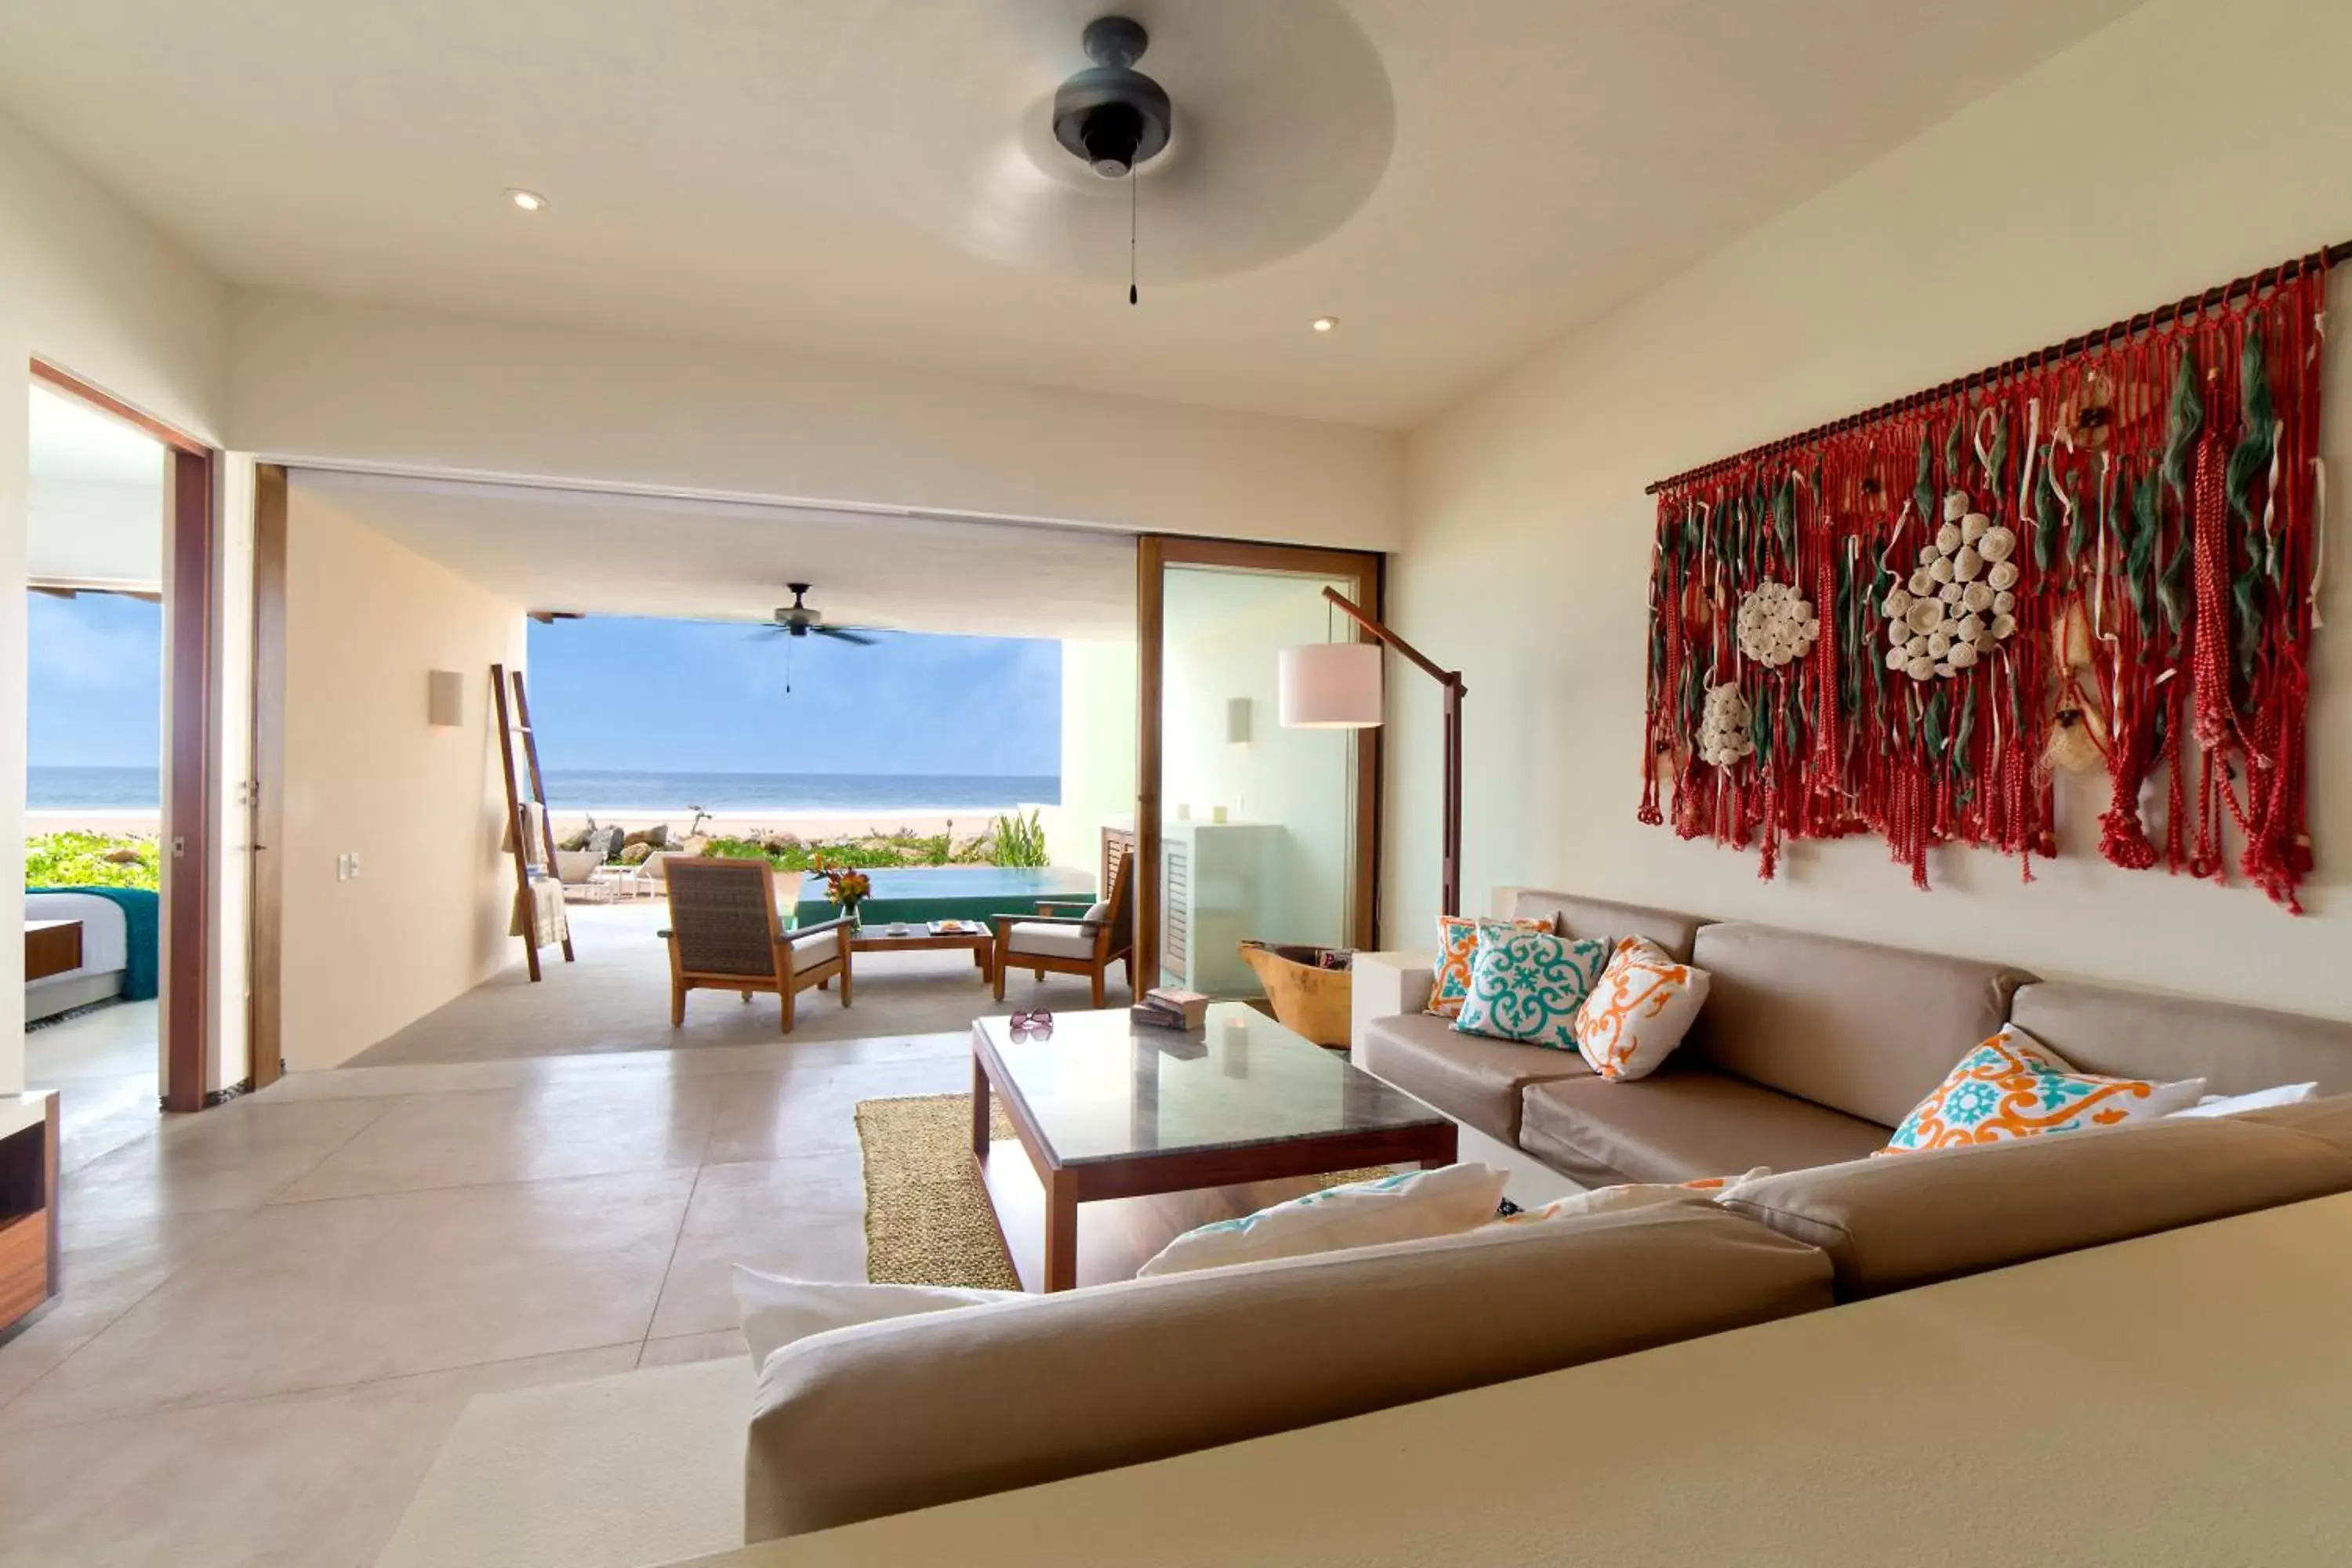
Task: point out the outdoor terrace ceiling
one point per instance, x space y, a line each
602 554
813 174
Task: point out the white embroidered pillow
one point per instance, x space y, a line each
1639 1013
1409 1206
2013 1085
778 1310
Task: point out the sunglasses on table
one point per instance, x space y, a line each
1037 1025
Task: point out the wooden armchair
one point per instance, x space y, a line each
1086 944
725 935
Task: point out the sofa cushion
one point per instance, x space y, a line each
1863 1029
1638 1011
2330 1119
1472 1078
1611 923
2145 1034
1054 941
2012 1087
1404 1205
1889 1224
877 1420
809 952
1681 1125
1458 946
1527 985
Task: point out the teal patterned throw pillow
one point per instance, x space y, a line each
1527 984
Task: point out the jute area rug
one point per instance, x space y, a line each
928 1217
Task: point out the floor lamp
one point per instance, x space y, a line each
1336 686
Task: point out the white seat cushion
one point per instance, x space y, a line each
810 951
1061 942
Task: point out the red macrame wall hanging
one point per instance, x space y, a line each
2104 557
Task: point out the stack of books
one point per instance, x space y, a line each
1167 1008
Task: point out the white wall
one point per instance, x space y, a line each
86 285
411 389
1098 691
2182 146
423 806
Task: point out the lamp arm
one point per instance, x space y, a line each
1450 862
1413 655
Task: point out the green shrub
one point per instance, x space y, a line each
82 860
1018 840
868 852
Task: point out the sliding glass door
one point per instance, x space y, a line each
1246 829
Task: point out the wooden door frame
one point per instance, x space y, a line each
1154 554
189 823
265 1032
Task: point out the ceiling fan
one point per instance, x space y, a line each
797 619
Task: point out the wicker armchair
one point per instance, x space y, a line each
725 935
1086 944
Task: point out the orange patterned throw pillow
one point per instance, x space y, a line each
1639 1013
1457 939
2014 1086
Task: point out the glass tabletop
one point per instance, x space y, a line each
1100 1087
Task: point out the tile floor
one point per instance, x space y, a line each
104 1066
615 997
274 1312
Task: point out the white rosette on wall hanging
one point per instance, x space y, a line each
1960 603
1775 624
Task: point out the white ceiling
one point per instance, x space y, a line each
602 554
809 172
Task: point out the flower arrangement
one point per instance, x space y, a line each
845 885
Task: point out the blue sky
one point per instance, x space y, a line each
95 682
708 696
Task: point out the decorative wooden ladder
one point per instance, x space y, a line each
515 719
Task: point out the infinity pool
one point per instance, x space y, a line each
952 893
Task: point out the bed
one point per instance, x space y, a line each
118 947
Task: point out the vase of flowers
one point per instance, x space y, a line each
846 888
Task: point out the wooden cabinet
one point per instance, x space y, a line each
28 1202
51 947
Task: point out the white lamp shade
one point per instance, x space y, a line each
1330 685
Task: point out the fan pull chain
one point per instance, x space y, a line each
1132 199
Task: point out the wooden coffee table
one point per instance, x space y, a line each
1110 1108
923 939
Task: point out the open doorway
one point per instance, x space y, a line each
93 785
120 535
968 748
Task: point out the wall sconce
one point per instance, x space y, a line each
1237 720
444 699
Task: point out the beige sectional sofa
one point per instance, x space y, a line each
915 1411
1811 1048
1808 1051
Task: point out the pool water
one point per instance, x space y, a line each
916 893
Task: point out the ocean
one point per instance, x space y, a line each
591 789
93 789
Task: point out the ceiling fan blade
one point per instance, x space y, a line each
843 633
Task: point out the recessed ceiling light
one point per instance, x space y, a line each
1325 324
529 201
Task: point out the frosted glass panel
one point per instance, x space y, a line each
1277 867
